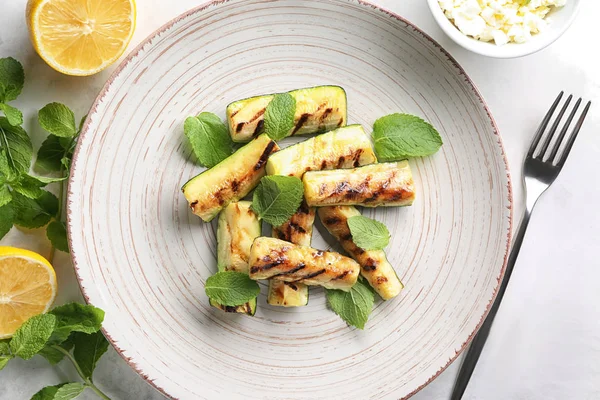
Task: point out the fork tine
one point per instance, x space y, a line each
573 136
563 132
543 125
554 127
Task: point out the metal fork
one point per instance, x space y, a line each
539 172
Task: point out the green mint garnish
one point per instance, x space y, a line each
400 136
367 233
354 306
209 138
231 288
279 116
277 198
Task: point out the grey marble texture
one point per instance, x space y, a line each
545 344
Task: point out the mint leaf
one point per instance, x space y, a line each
209 138
231 288
88 350
28 186
5 196
34 213
367 233
58 119
57 234
277 198
279 116
355 306
17 146
6 172
55 356
75 317
32 336
50 155
12 79
63 391
13 115
5 354
400 136
7 218
47 393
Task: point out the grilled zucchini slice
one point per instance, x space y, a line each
247 308
229 180
386 184
346 147
275 258
297 230
238 227
375 267
318 109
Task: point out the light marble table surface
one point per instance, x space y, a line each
546 339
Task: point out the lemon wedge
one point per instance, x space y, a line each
80 37
27 287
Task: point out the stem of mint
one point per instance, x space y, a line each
60 196
88 381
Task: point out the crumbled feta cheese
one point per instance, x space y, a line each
502 21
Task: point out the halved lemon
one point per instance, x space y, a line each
80 37
27 287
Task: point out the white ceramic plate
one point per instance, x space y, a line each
143 257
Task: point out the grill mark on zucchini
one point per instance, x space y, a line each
264 156
340 122
333 221
356 158
299 267
304 208
303 118
370 265
341 276
294 226
271 264
291 285
259 128
234 113
257 115
259 125
310 276
326 113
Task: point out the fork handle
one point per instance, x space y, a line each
470 360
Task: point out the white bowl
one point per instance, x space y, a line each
561 20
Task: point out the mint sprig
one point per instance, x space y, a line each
354 306
231 288
71 331
23 200
279 116
209 138
277 198
58 119
64 391
400 136
12 79
367 233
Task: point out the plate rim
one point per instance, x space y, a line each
198 9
